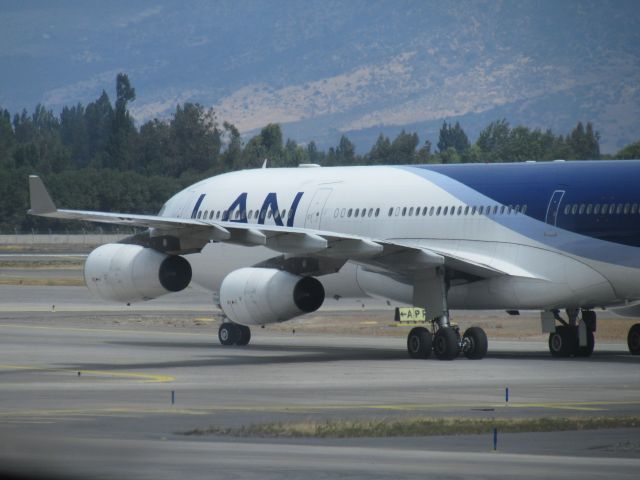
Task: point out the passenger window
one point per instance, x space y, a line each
619 209
411 211
438 211
574 209
349 212
397 211
199 214
627 207
634 208
431 210
363 212
596 209
445 210
343 212
589 209
567 209
480 210
473 210
466 210
424 211
357 213
581 209
391 211
377 211
524 209
452 211
269 214
404 211
502 209
336 213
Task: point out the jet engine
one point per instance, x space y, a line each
255 296
126 273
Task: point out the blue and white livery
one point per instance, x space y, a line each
274 243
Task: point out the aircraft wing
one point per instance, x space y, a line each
396 257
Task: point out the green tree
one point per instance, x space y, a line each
403 148
123 131
74 135
196 138
380 153
99 121
631 151
345 153
453 136
7 139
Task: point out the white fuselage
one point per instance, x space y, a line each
390 203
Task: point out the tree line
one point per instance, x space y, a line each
94 157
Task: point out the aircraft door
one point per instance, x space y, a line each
554 207
314 212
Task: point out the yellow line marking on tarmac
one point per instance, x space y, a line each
205 410
103 330
144 377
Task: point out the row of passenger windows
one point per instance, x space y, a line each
393 211
252 214
431 211
604 209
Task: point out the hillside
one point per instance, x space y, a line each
323 68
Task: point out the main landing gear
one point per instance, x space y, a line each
574 338
446 343
443 339
633 339
231 333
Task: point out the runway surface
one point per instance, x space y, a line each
83 395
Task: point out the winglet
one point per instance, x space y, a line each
41 202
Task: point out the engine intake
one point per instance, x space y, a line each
127 273
255 296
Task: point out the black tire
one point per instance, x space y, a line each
476 341
633 339
245 335
228 333
563 342
587 350
445 344
419 343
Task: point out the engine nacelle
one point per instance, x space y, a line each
255 296
125 273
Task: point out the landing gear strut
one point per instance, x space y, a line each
234 334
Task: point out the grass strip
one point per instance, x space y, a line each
418 427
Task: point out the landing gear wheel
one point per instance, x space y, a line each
245 335
563 342
228 333
633 339
474 343
586 350
445 344
419 342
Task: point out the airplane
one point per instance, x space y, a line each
561 237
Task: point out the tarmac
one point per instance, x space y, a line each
89 390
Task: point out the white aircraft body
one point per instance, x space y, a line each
272 244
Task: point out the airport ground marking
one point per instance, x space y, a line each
97 330
144 377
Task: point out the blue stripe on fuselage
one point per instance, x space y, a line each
534 183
